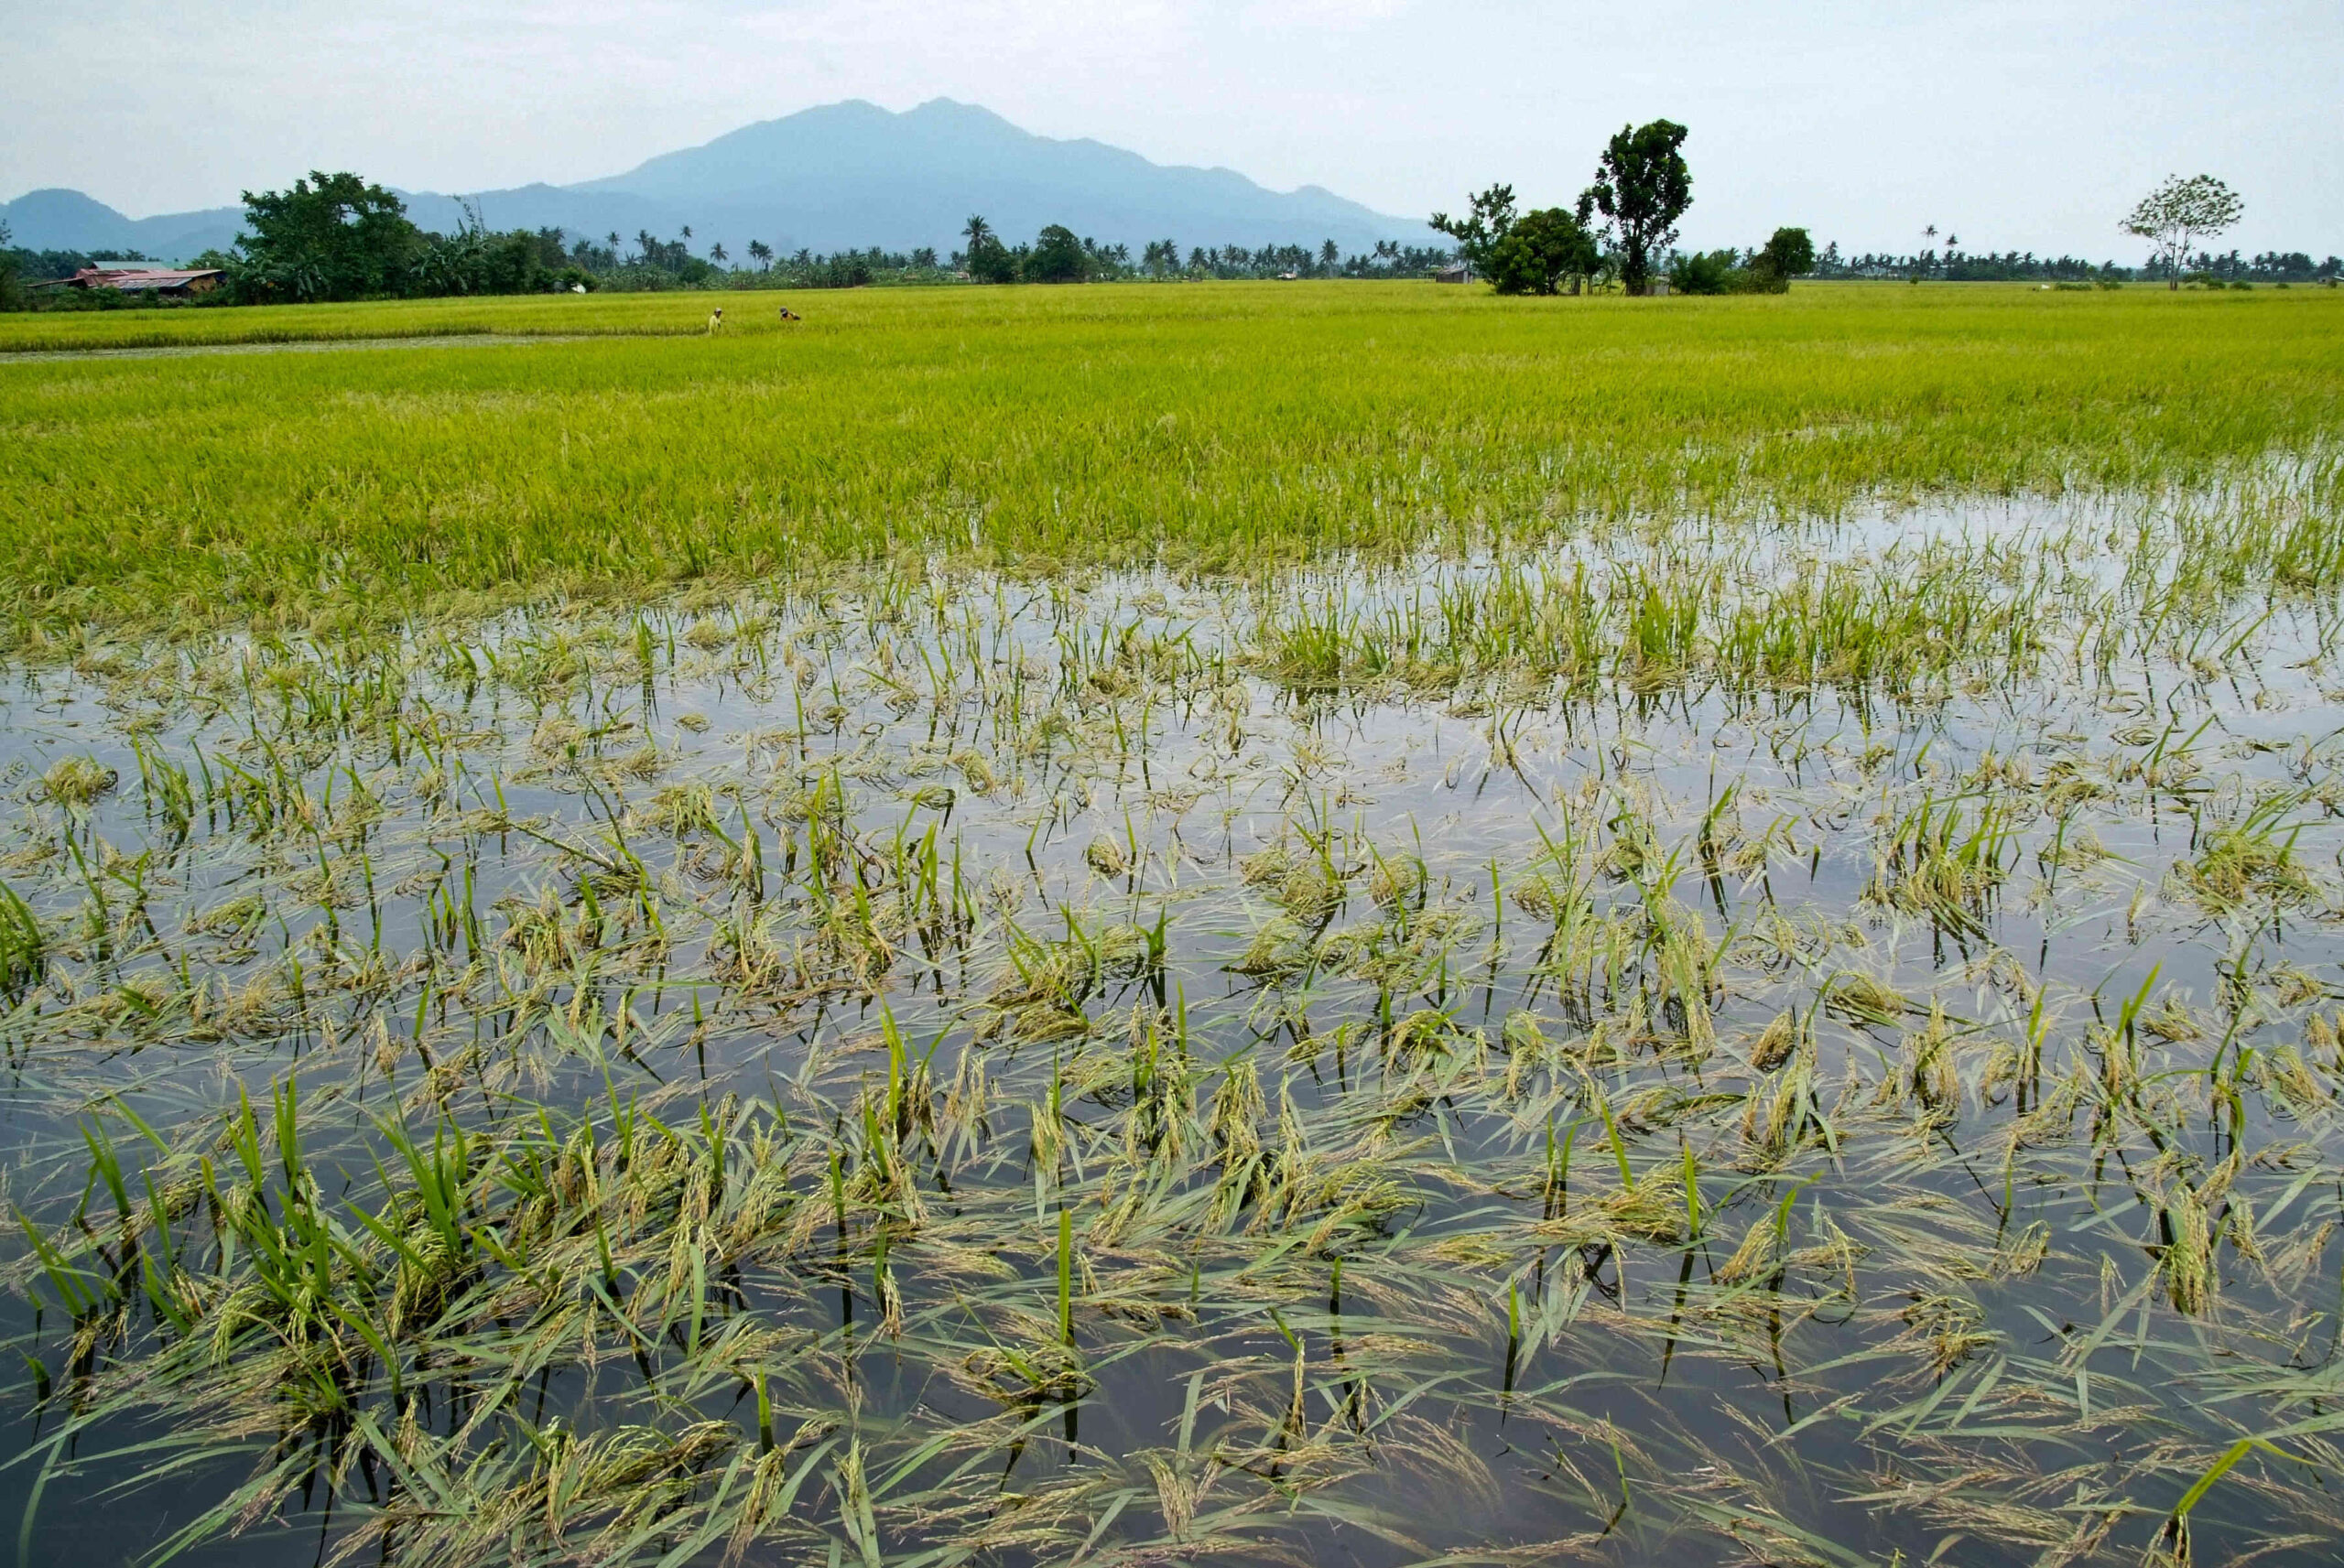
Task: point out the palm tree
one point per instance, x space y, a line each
716 252
978 232
1921 263
761 254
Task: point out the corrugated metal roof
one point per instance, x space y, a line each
143 277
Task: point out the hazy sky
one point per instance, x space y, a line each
2016 126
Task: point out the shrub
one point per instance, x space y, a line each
1705 272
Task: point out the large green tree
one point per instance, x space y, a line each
1641 188
1057 257
1540 251
332 236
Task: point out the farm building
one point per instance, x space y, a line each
140 277
1458 273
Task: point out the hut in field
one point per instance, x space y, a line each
1456 271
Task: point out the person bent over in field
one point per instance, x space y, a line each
789 314
716 320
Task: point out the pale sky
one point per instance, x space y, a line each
2015 125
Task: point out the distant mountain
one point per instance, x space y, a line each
69 220
845 175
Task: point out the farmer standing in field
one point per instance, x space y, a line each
715 320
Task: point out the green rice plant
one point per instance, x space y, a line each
24 950
1231 426
1945 861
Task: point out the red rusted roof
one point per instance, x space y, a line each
117 277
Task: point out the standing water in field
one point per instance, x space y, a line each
1803 1044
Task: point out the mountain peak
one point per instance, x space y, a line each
56 202
833 177
854 173
55 219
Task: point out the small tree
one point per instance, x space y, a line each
1057 257
989 260
1161 257
2181 213
1789 254
1477 233
1540 251
1641 188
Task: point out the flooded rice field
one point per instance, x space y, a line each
1802 1044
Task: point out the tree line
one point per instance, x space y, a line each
1056 255
339 237
1953 265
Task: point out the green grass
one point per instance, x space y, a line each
1220 427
